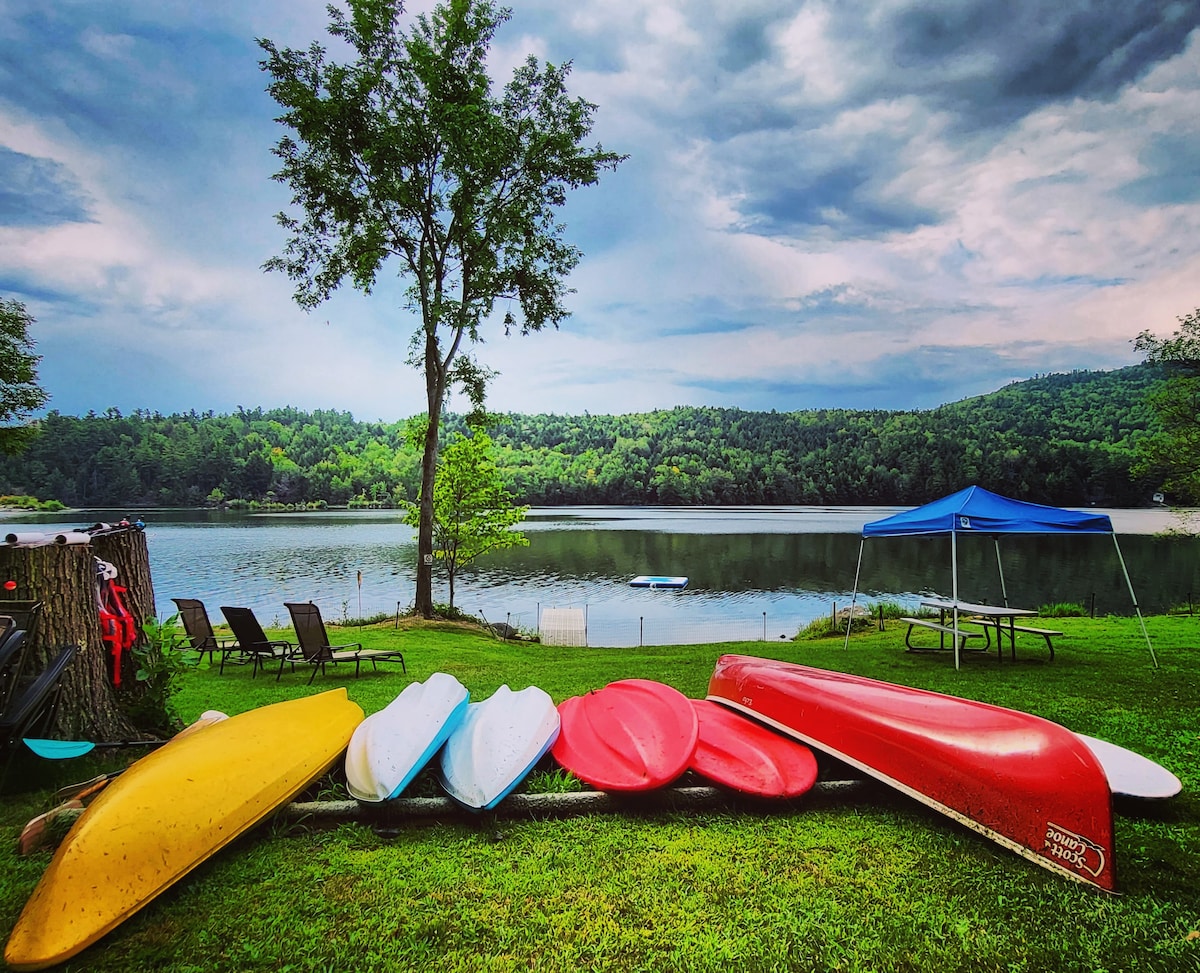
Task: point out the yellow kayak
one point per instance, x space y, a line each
169 812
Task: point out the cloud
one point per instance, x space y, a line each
882 204
38 192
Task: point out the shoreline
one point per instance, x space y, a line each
847 518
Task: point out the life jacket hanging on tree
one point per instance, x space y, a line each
117 625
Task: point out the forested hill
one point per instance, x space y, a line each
1055 439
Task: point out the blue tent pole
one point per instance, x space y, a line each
1136 609
854 597
954 589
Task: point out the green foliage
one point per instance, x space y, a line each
553 780
1172 454
1064 609
31 503
161 663
1058 439
473 513
20 393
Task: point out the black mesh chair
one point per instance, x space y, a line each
316 650
200 634
253 641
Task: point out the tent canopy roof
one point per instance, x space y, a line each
976 510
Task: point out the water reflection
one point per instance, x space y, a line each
787 564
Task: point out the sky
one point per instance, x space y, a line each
842 204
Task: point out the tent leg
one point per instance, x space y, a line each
854 597
1000 568
954 590
1136 609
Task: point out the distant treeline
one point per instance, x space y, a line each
1061 439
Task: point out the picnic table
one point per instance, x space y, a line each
986 617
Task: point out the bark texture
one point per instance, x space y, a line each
63 579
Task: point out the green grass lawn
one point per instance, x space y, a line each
867 880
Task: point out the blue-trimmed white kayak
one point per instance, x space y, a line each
497 745
389 748
658 581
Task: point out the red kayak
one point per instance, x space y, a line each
1026 783
745 756
632 735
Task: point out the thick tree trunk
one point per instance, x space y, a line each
435 393
63 579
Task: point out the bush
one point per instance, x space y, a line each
1063 609
160 664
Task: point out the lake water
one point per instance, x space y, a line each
755 572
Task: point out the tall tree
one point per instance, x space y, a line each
1174 451
405 157
20 393
472 511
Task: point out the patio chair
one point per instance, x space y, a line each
14 646
199 630
33 706
317 652
253 641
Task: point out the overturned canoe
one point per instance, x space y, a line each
171 811
1027 783
743 755
496 746
632 735
389 748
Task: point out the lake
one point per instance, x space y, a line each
755 572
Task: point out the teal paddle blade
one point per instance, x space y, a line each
60 749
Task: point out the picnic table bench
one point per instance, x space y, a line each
943 631
987 623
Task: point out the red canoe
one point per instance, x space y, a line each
632 735
1026 783
745 756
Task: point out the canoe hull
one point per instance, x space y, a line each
496 746
390 748
632 735
1026 783
169 812
743 755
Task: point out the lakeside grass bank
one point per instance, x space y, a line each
868 881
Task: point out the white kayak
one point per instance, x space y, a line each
497 745
1130 774
389 748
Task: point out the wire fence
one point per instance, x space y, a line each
579 626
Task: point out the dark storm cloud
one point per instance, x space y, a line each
745 42
842 199
38 192
974 66
996 62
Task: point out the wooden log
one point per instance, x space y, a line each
63 578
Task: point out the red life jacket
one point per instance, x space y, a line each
117 625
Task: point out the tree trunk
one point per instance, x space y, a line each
63 579
435 392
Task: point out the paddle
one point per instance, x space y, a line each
85 788
66 749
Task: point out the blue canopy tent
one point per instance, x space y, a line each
979 511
